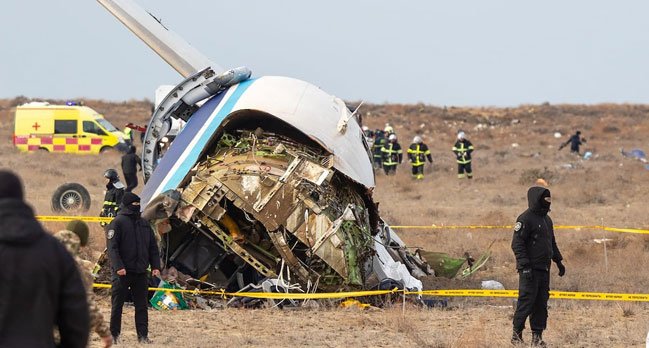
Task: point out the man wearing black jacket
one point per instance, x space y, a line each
132 248
130 164
535 247
40 286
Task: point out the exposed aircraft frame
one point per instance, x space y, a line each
270 178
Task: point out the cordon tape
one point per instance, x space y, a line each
601 296
49 218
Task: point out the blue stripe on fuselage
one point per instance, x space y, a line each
182 142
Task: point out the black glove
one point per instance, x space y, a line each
526 273
562 268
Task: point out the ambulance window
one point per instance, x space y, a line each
92 127
65 126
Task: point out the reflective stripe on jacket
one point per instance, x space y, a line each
392 154
417 154
463 149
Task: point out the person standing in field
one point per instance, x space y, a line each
392 155
463 149
534 247
130 164
418 153
575 141
40 286
132 248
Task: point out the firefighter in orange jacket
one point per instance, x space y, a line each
418 153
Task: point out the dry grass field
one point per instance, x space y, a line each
514 146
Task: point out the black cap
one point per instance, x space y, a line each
10 185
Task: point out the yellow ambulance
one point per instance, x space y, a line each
69 128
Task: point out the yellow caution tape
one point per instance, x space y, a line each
509 227
50 218
601 296
272 295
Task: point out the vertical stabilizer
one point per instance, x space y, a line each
172 48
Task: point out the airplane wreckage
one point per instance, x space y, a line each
269 182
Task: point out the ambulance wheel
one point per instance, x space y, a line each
106 149
70 198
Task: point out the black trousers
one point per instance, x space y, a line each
131 181
390 169
137 285
462 168
533 297
418 170
378 162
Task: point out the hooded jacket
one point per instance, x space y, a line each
130 161
533 242
131 242
40 286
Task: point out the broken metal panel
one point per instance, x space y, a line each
316 114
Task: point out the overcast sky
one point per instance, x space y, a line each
468 52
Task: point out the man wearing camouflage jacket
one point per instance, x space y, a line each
74 238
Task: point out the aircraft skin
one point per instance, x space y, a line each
271 179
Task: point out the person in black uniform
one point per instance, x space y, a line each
534 246
463 149
575 141
418 153
392 155
113 196
379 142
132 248
40 285
130 164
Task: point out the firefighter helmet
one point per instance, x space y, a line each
417 140
111 174
392 137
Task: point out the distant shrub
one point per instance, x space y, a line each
529 176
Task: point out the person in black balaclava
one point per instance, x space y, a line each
534 246
132 248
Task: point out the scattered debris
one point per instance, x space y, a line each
636 154
492 285
168 300
557 135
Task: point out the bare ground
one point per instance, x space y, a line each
514 146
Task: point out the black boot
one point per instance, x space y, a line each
517 337
537 339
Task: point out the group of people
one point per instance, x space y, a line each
38 310
387 152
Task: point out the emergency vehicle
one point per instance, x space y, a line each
69 128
